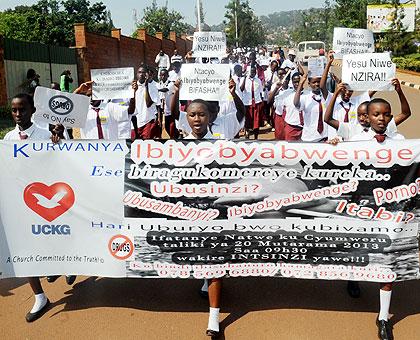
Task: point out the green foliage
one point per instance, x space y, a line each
251 32
6 121
411 64
161 19
51 21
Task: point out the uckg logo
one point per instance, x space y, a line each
50 229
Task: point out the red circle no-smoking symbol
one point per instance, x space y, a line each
120 247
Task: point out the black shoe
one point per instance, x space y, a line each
52 279
70 279
203 294
31 317
353 289
213 334
384 330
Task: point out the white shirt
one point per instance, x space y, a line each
224 126
110 115
163 61
176 57
288 63
311 116
339 111
207 136
370 135
173 76
143 113
285 100
258 91
348 130
33 132
270 77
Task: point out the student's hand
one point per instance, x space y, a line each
331 56
177 84
55 139
232 87
340 88
134 85
333 141
396 84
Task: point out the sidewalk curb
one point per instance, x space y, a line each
405 83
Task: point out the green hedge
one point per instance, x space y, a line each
412 64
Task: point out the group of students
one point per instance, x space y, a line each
258 95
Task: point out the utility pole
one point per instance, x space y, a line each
236 23
199 15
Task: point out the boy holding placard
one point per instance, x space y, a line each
22 110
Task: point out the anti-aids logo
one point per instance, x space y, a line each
49 202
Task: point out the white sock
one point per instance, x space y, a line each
385 302
214 319
205 287
40 302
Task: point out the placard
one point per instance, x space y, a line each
56 107
352 41
112 83
368 72
209 44
205 81
315 67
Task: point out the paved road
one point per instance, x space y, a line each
266 309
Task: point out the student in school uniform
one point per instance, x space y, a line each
103 118
289 119
345 109
290 61
175 73
313 103
379 117
346 130
252 94
144 121
166 90
270 77
223 125
22 110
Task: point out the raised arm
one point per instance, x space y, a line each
323 84
405 107
174 105
240 107
84 87
132 104
242 88
148 98
296 100
328 117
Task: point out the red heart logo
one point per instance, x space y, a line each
49 202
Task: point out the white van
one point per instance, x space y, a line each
308 49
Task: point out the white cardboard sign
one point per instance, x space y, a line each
56 107
368 72
352 41
209 44
205 81
315 67
112 83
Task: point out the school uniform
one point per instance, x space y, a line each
225 126
165 100
348 130
102 121
207 136
346 112
34 132
314 106
380 138
174 76
146 116
270 79
289 119
252 99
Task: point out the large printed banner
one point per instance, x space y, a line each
368 71
315 211
191 209
381 17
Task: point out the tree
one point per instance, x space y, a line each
250 29
51 21
161 19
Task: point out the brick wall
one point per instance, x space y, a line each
99 51
3 87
